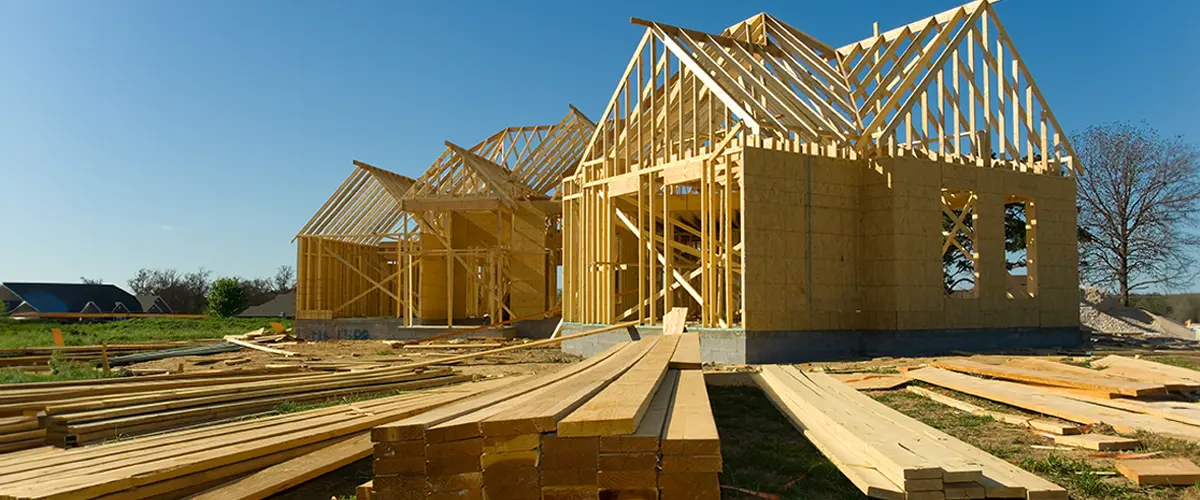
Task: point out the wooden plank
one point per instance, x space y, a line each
1098 442
414 428
690 428
110 475
675 321
619 408
1056 379
687 353
364 491
280 477
1047 402
853 464
1172 372
1169 471
547 413
649 432
1009 418
871 381
250 345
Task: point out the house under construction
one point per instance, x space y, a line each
908 192
476 239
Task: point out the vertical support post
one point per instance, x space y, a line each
449 269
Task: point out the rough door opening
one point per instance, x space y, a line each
959 255
1020 222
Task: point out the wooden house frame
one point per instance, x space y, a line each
476 236
826 154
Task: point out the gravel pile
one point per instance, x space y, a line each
1101 312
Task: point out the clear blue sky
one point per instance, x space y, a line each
190 133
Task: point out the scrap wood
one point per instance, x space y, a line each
1098 442
1186 378
1165 471
453 346
1126 455
1008 418
1055 378
871 381
250 345
759 494
1041 400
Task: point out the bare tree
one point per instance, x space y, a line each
284 280
91 281
1139 198
184 292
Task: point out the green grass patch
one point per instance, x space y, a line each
60 369
1180 361
287 407
763 452
1077 476
15 334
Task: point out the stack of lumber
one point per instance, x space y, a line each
1074 397
91 411
605 427
38 358
20 432
182 463
887 454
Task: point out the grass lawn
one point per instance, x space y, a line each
763 452
32 333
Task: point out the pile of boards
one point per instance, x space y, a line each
71 413
231 459
631 422
1128 394
887 454
38 358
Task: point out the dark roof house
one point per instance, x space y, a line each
282 306
69 298
154 304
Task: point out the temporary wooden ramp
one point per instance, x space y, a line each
607 424
476 235
887 454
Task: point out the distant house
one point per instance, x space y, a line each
67 298
282 306
154 304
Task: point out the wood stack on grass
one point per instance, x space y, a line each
38 358
181 463
95 410
1080 395
603 426
887 454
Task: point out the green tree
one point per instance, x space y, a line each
227 298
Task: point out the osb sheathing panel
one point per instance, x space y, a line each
841 244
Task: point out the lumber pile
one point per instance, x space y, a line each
1128 394
182 463
605 427
90 411
38 358
887 454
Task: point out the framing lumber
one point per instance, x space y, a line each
620 407
1057 378
1008 418
280 477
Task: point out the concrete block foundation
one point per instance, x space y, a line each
736 346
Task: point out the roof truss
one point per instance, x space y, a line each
951 87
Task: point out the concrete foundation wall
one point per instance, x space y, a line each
383 329
735 346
